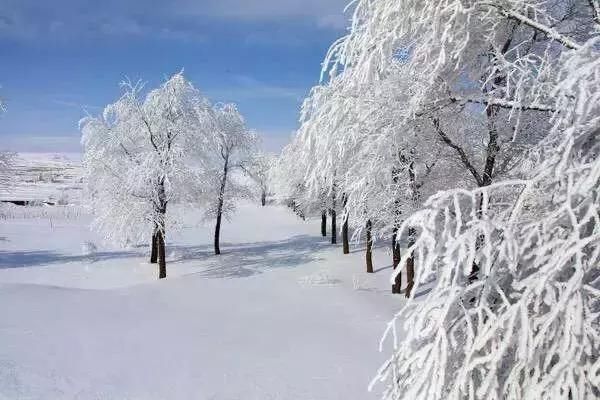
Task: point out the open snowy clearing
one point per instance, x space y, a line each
281 314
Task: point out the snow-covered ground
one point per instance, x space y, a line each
281 314
44 177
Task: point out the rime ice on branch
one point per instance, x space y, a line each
230 152
143 153
502 98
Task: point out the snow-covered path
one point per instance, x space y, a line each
276 317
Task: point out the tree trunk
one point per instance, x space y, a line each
333 218
345 243
487 177
410 275
154 249
218 232
397 286
324 223
410 261
160 229
369 253
220 207
492 150
162 262
395 249
333 228
263 198
410 264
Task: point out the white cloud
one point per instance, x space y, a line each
248 88
29 19
264 9
273 141
333 21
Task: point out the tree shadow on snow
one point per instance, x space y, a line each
248 259
22 259
236 261
390 267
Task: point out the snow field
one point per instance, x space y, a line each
283 315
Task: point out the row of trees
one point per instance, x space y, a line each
149 151
466 131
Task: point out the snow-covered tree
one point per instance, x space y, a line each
527 324
141 155
230 151
293 189
351 133
259 169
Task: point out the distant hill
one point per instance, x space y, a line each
54 178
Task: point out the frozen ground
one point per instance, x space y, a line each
281 314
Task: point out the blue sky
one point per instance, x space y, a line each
61 57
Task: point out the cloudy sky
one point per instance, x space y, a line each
60 59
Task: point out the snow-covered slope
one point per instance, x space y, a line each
45 177
281 314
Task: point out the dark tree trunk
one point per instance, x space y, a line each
369 253
220 207
410 275
162 262
333 218
397 286
410 261
160 230
410 264
218 232
492 150
487 177
395 249
263 198
345 242
324 223
333 228
154 249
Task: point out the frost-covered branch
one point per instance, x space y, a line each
507 104
550 32
234 146
529 326
142 154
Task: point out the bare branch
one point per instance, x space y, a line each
461 153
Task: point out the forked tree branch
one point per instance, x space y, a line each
461 152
